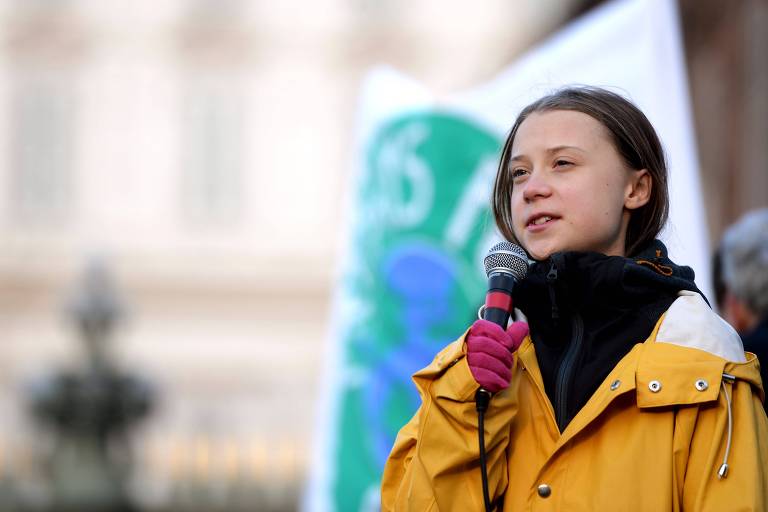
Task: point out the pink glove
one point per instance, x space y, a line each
489 352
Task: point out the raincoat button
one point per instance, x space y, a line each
654 386
615 385
544 490
702 385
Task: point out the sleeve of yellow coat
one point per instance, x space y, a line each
434 464
745 487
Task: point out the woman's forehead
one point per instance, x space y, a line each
559 129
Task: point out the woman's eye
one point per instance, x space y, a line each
518 173
561 163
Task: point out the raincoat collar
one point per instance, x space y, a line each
659 374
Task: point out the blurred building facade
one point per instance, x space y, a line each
203 147
727 70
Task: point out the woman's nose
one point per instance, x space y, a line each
536 186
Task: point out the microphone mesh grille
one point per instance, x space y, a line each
506 257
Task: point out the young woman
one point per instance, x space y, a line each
630 394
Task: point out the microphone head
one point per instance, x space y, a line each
508 258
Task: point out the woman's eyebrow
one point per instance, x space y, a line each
560 148
522 157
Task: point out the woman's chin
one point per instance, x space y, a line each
542 248
541 253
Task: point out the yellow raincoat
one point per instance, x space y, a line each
677 425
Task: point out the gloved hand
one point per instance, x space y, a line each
489 352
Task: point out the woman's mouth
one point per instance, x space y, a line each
540 222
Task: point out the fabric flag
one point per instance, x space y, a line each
411 279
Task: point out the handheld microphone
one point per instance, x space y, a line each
505 264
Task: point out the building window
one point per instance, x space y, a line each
212 152
42 136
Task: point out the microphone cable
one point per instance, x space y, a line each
482 400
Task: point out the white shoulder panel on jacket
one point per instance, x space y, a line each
690 322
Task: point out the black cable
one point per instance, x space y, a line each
482 399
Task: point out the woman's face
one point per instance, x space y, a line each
572 190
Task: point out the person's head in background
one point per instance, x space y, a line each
582 169
743 254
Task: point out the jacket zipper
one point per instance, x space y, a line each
551 279
567 365
565 371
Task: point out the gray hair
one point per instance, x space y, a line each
745 260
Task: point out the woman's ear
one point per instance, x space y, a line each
638 189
